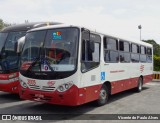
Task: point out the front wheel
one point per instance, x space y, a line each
103 96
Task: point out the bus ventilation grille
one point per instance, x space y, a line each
43 88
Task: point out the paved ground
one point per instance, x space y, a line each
128 102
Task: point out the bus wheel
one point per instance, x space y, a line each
140 84
103 96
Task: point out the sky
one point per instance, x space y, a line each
115 17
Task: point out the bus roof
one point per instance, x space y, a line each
28 26
96 32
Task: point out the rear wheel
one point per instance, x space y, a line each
140 84
103 96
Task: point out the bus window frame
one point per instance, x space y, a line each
81 61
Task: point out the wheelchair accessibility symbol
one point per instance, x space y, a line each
103 76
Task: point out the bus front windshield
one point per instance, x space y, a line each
8 50
49 51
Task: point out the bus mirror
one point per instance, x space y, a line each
20 44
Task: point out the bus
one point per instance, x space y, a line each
9 58
72 65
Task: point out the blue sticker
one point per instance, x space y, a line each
57 36
103 76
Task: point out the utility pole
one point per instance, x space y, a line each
140 27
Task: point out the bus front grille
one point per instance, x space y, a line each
34 87
43 88
46 88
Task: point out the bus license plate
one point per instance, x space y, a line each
39 95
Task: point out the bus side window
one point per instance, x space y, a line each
110 50
149 55
124 49
143 57
90 54
135 53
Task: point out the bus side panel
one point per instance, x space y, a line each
8 84
10 87
147 78
88 94
122 85
92 93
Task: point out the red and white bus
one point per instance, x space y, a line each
9 57
71 65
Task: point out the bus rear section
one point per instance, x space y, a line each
9 57
72 65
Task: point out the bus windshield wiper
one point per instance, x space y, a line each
33 63
40 62
49 65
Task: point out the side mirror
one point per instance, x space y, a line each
20 44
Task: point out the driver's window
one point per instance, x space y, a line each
12 39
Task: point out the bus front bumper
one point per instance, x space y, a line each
69 97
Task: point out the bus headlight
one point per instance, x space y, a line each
65 87
23 84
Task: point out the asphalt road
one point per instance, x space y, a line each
128 102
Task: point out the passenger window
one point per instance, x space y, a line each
135 53
111 54
149 55
135 48
143 56
143 50
124 54
110 44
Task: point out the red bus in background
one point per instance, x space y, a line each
9 58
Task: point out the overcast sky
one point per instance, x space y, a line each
115 17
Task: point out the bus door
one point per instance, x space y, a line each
90 64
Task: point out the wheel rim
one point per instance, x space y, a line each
140 85
103 94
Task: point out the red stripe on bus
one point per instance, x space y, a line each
77 96
10 87
6 76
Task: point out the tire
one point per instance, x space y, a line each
140 85
103 96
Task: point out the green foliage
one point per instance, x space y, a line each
156 52
156 63
3 24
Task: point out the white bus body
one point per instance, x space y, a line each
102 65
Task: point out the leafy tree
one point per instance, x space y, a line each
156 63
3 24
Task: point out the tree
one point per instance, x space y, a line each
3 24
156 63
